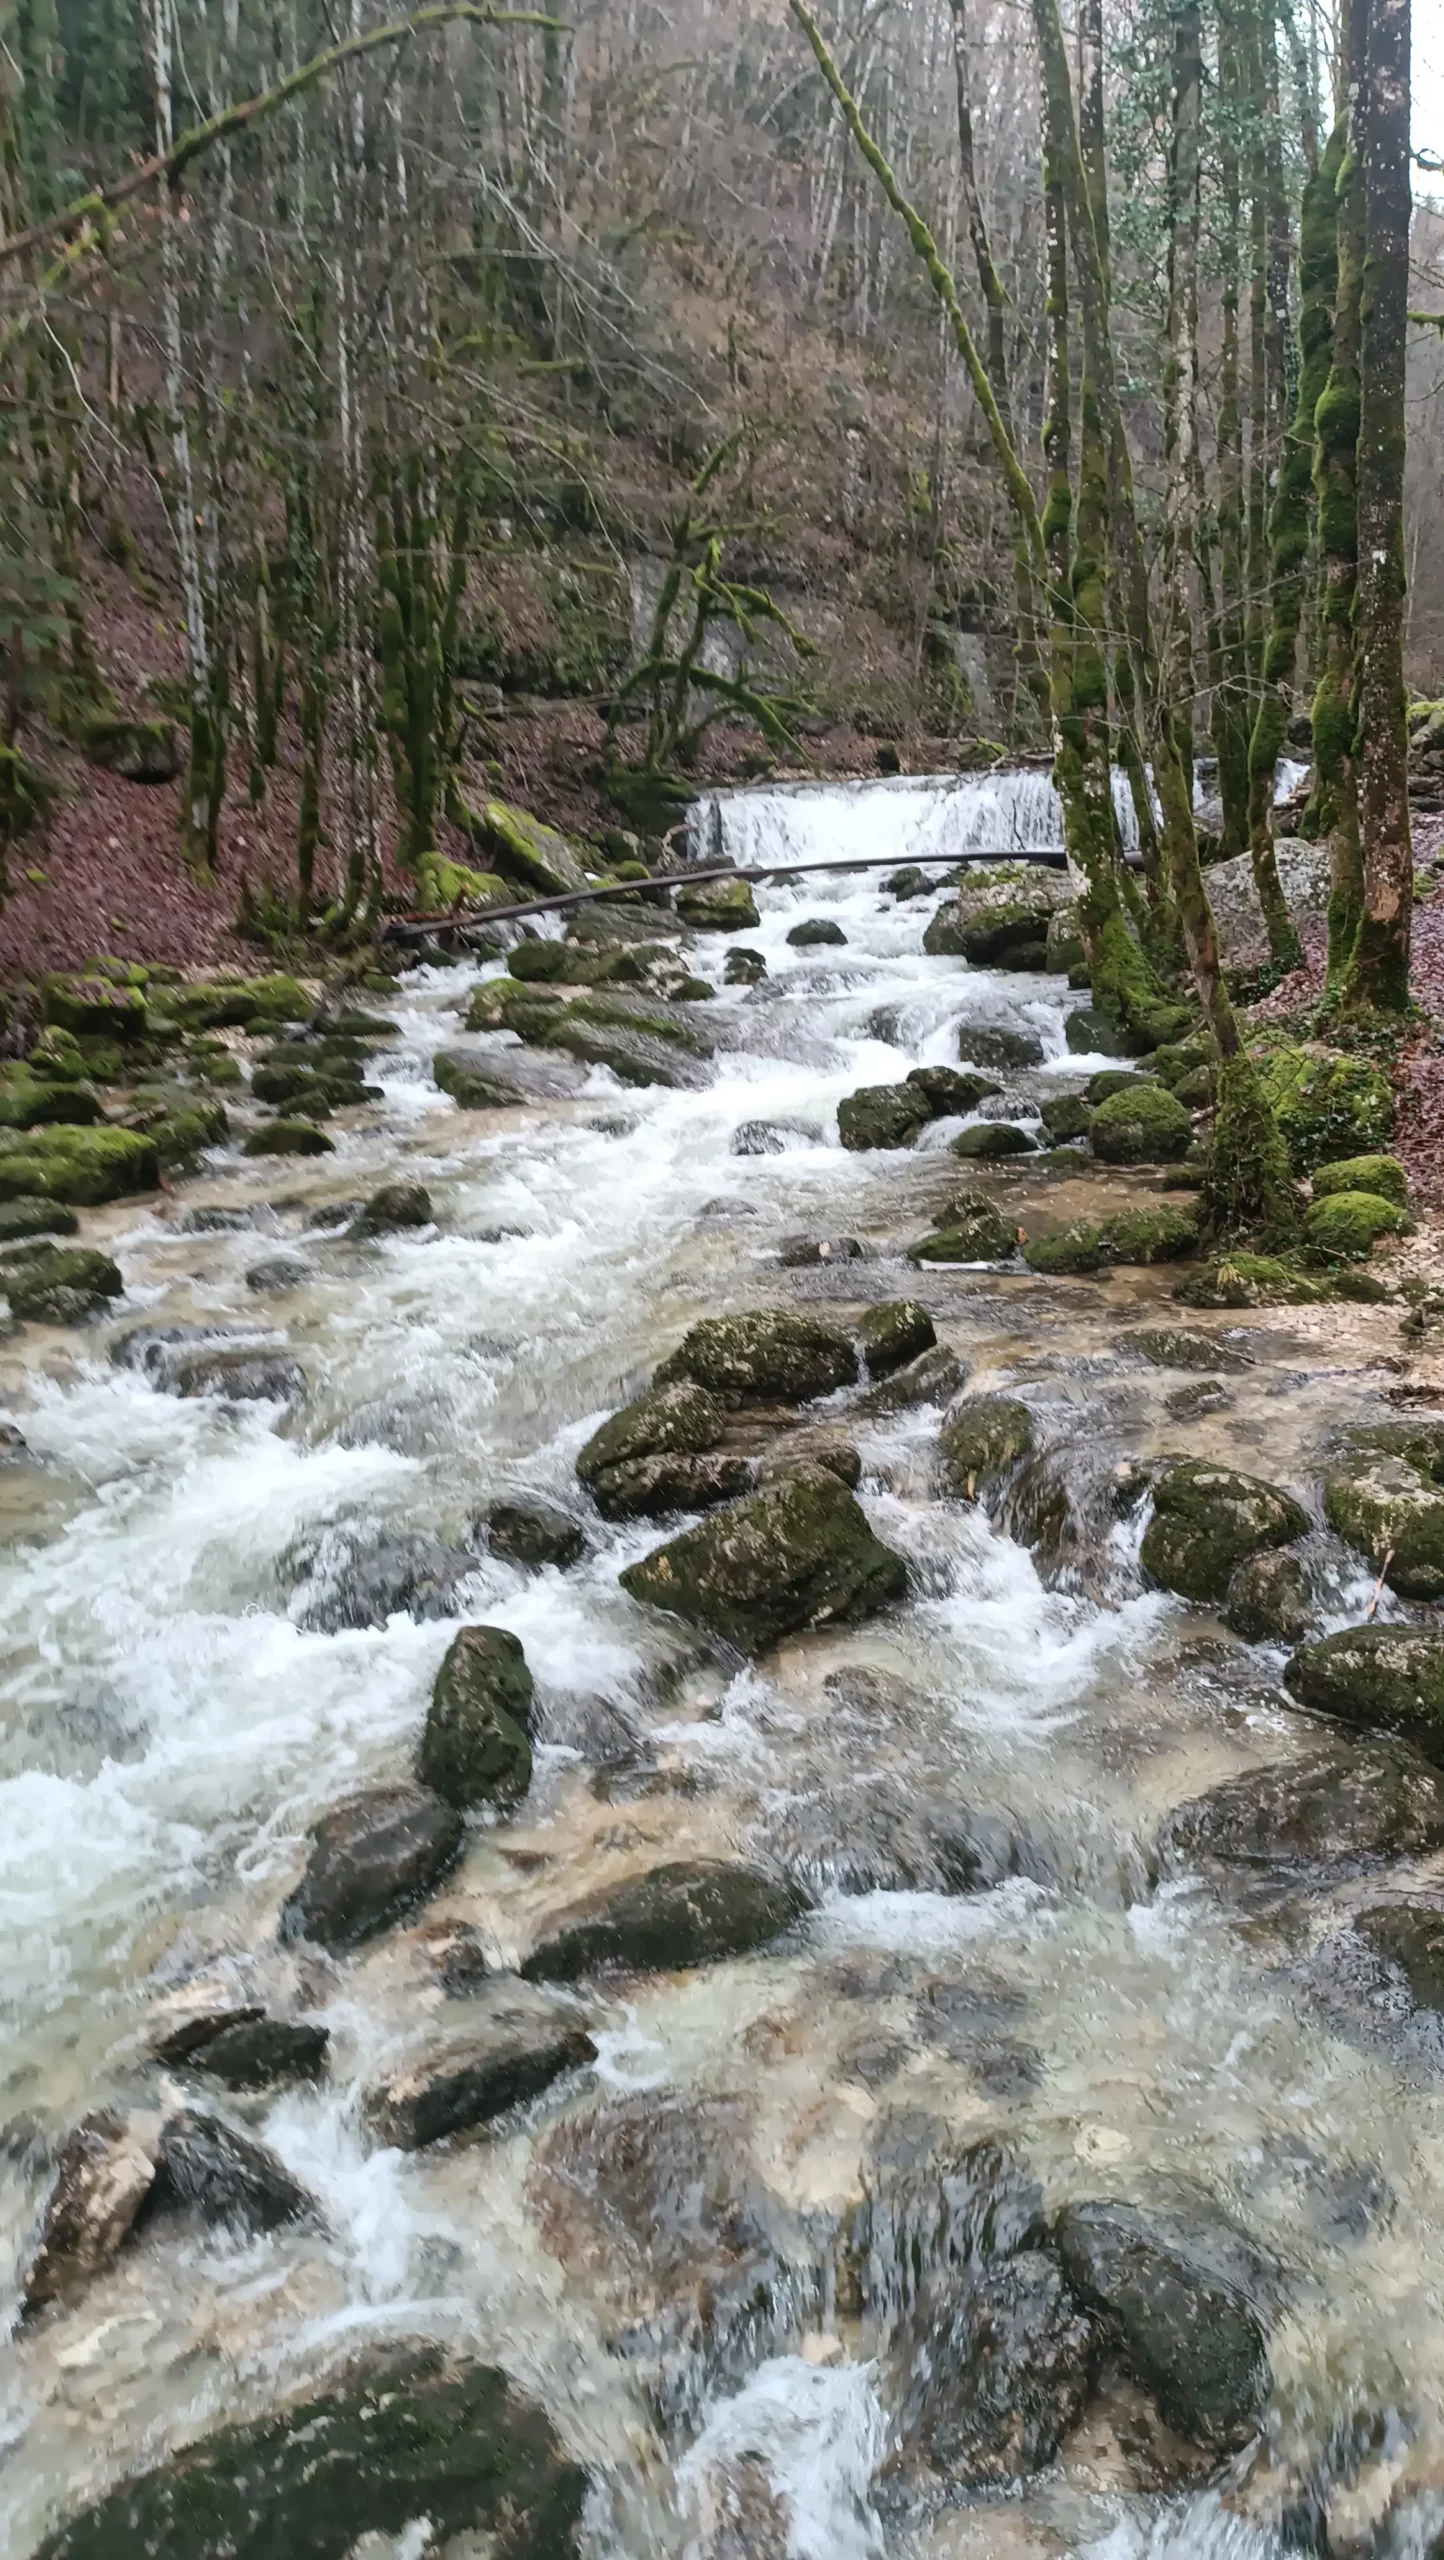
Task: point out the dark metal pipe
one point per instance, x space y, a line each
416 928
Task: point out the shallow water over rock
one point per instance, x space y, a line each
715 2245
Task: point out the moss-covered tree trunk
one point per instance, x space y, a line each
1336 439
1250 1183
1180 372
1378 969
1228 653
1289 541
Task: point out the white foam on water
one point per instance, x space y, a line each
818 2433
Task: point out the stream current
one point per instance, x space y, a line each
186 1691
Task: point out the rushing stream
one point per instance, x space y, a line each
190 1682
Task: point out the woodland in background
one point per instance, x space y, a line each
752 381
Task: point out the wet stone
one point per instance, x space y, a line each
679 1419
950 1089
1347 1809
1206 1520
653 1488
893 1334
982 1441
1190 2338
1189 1404
407 2432
936 1378
207 2168
533 1534
999 2364
1409 1937
371 1860
1376 1676
685 1914
1394 1512
353 1577
771 1355
1174 1347
103 2179
773 1137
816 929
263 2053
476 1748
515 2052
1268 1599
798 1553
283 1271
805 1253
882 1115
999 1044
993 1138
393 1209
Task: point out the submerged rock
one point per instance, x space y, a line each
225 2177
693 1912
936 1378
406 2433
534 1534
1347 1808
1206 1520
476 1748
798 1553
770 1355
1409 1936
1371 1675
356 1577
372 1859
104 2178
1395 1513
999 2365
893 1334
773 1137
1173 1347
1190 2339
511 2054
982 1440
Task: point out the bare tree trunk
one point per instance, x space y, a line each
1336 442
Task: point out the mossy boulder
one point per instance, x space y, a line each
1158 1234
441 883
1140 1124
1268 1599
1065 1116
180 1124
1005 934
59 1284
82 1166
692 1912
798 1553
1206 1520
1394 1512
31 1101
474 1083
990 1140
982 1441
476 1748
1102 1086
1089 1033
288 1138
1329 1106
21 1219
718 906
1346 1225
406 2434
816 930
1390 1677
397 1208
220 1004
136 750
59 1053
1381 1176
893 1334
1250 1280
95 1005
999 1044
1065 1250
520 845
950 1089
882 1115
676 1420
973 1229
769 1355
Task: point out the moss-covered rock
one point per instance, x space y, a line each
668 1420
1268 1598
796 1554
442 884
21 1219
1159 1234
474 1083
698 1911
893 1334
1004 934
1140 1124
406 2433
882 1115
59 1053
1250 1280
1192 2342
1206 1520
815 930
982 1441
1395 1513
1089 1033
943 936
521 846
396 1208
1329 1106
1391 1677
59 1284
476 1748
1066 1250
1102 1086
769 1355
31 1101
136 750
1382 1176
82 1166
999 1044
973 1229
573 964
990 1140
651 1488
718 906
95 1005
288 1138
949 1089
1347 1225
1172 1346
1065 1116
220 1004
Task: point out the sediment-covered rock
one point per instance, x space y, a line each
1206 1520
678 1419
692 1912
650 1488
798 1553
373 1858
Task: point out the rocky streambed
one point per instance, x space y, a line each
692 1862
